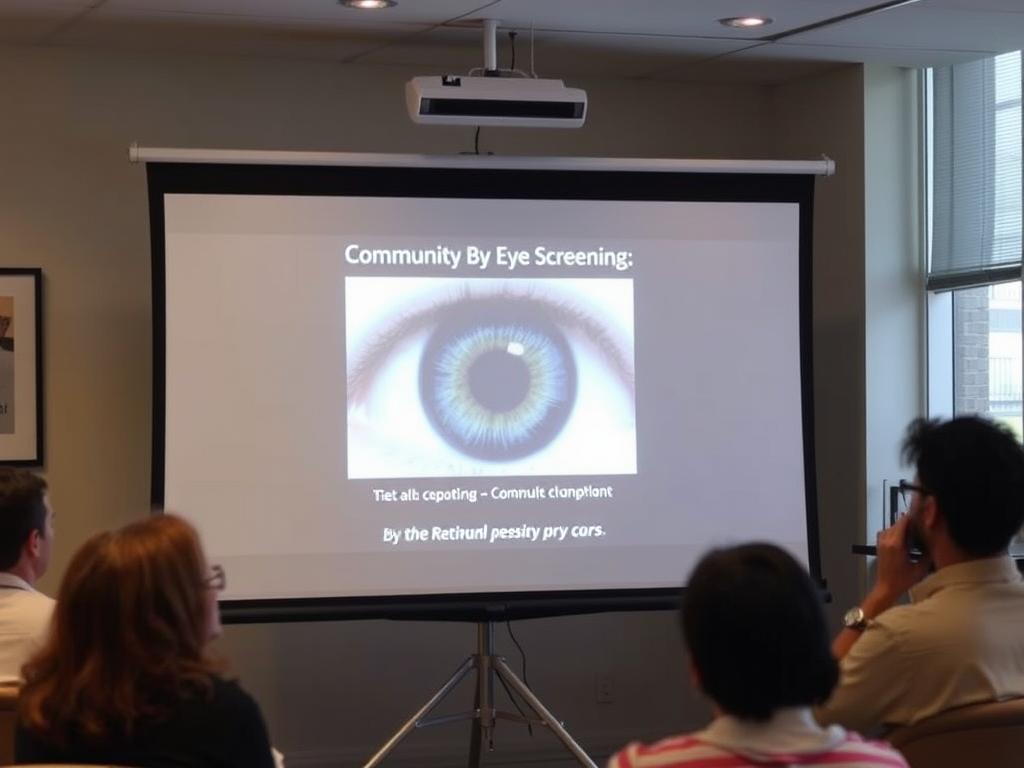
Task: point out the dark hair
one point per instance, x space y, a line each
974 468
128 636
21 511
753 622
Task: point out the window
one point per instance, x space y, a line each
973 145
979 331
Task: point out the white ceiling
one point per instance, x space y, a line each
660 39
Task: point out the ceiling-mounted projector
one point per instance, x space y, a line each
495 97
502 101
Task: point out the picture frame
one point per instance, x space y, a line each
21 367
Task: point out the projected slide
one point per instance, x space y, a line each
516 377
401 396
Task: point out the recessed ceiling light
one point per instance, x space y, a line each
745 22
368 5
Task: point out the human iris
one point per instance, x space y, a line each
500 385
522 377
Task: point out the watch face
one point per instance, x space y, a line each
854 618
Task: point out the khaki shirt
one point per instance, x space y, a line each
960 641
24 622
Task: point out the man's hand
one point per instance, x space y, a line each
896 571
896 574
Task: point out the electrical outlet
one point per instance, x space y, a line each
605 689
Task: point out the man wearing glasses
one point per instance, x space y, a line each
960 640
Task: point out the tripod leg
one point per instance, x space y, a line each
410 724
475 732
483 728
484 698
549 720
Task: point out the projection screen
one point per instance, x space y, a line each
389 388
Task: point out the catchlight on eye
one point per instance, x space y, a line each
497 385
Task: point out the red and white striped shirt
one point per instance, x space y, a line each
791 738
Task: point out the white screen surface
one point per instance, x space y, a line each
386 396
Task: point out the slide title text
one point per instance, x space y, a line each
498 258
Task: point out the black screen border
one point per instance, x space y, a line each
541 182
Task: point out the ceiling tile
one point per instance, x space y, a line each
555 54
691 18
437 51
662 39
898 57
1009 6
156 32
325 11
922 27
610 56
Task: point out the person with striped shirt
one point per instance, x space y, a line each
759 650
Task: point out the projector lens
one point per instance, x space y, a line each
497 386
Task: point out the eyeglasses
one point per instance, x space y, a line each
907 489
217 579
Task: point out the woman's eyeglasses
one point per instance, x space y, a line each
216 580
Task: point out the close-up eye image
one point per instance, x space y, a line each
453 377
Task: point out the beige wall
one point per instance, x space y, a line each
72 204
894 277
825 114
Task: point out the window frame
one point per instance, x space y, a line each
939 292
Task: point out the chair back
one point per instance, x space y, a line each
989 735
8 721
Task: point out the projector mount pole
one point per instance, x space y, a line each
484 713
491 47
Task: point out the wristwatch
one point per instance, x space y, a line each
855 619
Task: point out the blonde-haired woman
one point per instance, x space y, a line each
124 678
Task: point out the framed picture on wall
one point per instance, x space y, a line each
21 367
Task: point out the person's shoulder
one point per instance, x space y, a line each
43 604
247 735
229 692
680 751
230 698
29 608
869 752
928 624
902 621
23 597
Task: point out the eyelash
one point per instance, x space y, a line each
560 311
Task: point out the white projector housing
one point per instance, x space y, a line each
525 102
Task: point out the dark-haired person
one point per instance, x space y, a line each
124 677
961 639
26 539
759 649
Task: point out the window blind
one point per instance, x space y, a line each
976 165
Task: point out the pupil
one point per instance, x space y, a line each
499 381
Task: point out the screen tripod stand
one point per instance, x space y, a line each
484 714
